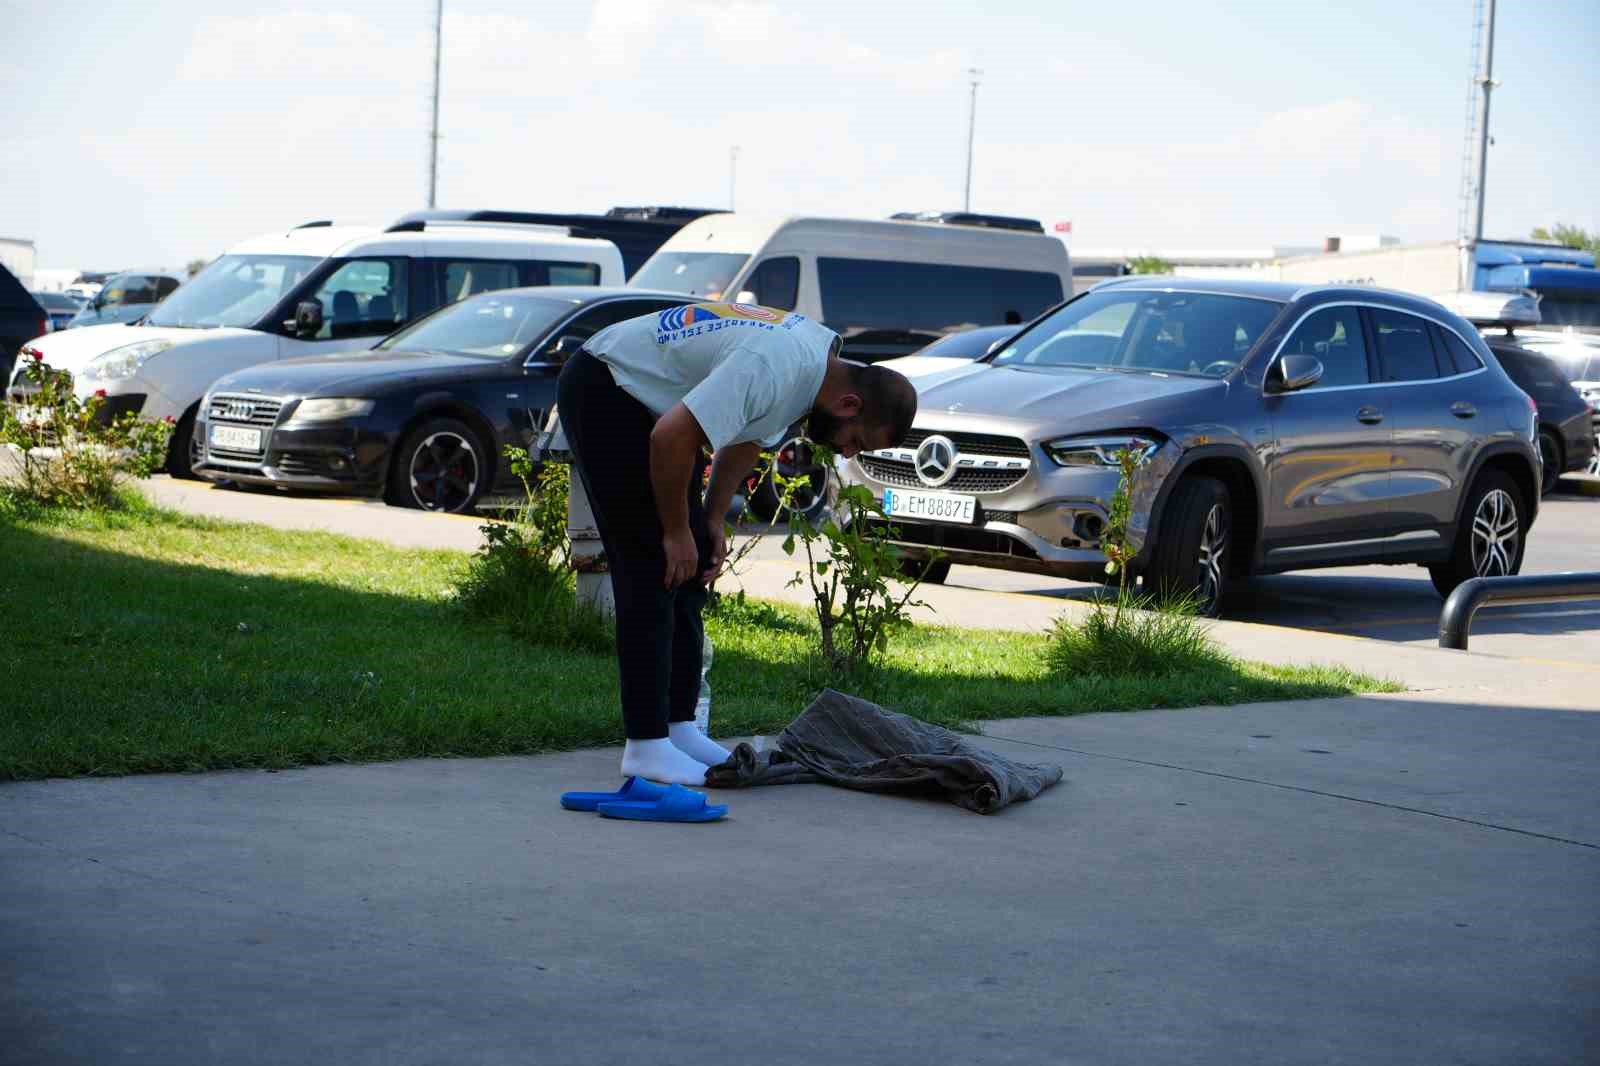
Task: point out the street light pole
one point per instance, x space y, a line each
1487 82
733 174
433 136
972 125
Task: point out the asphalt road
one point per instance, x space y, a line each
1395 603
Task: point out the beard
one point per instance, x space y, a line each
824 427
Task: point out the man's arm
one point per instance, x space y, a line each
730 465
675 445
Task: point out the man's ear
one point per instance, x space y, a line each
848 406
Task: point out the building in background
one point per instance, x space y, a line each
18 255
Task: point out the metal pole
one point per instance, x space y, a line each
1487 82
972 125
433 136
733 174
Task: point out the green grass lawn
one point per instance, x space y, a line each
143 640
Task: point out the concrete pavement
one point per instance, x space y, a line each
1359 881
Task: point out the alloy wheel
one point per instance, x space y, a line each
1213 556
1496 531
444 472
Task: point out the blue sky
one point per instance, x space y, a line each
156 133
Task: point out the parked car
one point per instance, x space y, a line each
422 418
1578 355
21 318
1566 419
87 283
58 306
1281 427
953 350
126 297
316 289
888 286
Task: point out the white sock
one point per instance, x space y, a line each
660 760
687 738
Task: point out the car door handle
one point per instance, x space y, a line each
1463 409
1370 415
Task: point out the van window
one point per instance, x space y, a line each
363 298
561 274
867 296
776 283
233 290
467 277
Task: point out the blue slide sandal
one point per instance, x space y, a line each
633 790
678 805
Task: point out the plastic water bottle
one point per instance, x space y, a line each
702 706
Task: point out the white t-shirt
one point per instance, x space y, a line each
746 373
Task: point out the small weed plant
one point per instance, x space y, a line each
521 579
1137 635
849 566
71 452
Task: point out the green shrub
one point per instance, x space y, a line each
521 580
70 452
1137 639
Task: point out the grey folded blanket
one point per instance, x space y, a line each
842 740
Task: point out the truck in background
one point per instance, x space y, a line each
1564 280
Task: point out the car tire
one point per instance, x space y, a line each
442 465
763 497
1191 554
1552 457
1594 460
1491 537
935 574
182 449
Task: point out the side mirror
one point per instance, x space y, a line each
745 297
565 347
307 320
1294 372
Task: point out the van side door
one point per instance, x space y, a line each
363 300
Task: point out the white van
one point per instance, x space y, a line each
887 287
315 290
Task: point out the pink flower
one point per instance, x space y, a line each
169 420
38 356
99 394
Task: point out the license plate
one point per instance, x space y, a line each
236 438
933 506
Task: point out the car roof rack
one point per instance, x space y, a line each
315 224
636 231
969 218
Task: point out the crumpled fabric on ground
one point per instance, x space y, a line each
843 740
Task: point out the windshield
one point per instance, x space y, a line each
1141 330
236 290
696 273
492 326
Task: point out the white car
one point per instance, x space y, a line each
314 290
1578 355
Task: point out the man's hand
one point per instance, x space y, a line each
717 532
683 558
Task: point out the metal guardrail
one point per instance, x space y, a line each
1455 621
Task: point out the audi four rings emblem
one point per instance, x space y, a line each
239 412
935 461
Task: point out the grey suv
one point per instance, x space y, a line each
1281 427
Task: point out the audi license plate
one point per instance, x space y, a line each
933 506
236 438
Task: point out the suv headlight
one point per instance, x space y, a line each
123 362
1100 450
329 410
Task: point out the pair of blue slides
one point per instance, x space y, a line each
645 801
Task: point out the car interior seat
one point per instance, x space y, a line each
346 313
380 308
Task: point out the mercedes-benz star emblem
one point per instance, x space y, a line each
935 461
